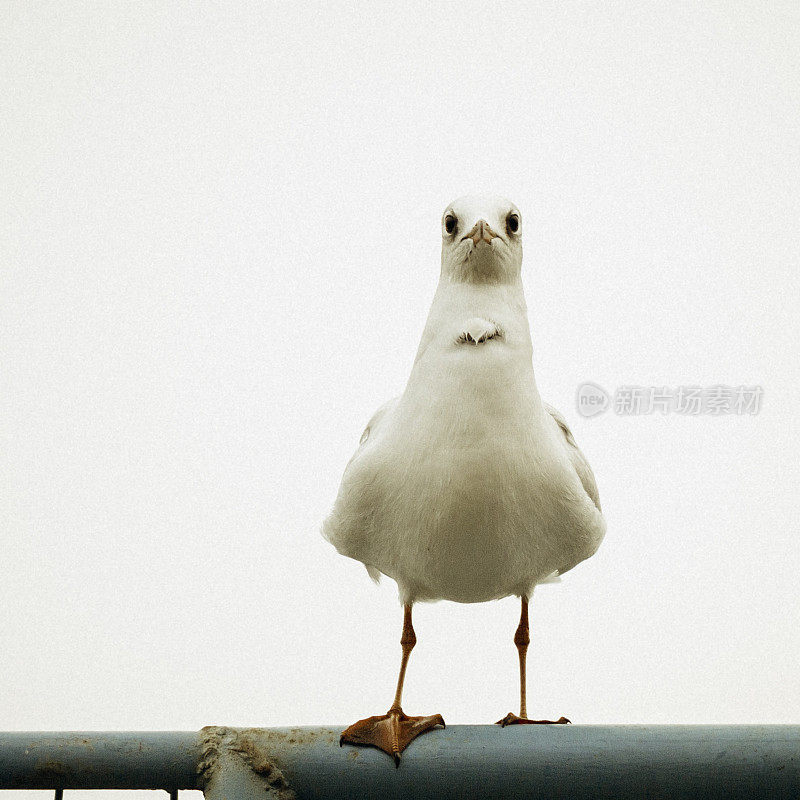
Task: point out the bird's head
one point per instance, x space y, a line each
482 240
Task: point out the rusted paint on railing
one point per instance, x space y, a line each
94 760
577 761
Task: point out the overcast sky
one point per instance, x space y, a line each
220 239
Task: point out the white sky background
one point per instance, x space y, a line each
220 239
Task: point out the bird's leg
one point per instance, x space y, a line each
393 731
522 639
407 641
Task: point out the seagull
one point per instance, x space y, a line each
467 487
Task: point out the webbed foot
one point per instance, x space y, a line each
391 732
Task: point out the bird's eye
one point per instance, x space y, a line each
513 223
450 224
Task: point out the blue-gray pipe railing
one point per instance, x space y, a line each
463 761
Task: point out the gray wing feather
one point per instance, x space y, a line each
577 458
372 430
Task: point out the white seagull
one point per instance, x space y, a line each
467 487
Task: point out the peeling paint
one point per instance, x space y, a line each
256 757
210 747
251 746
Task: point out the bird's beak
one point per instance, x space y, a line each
481 232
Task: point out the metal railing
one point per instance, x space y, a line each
462 761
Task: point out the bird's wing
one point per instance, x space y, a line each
577 458
371 432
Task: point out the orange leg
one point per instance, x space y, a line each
522 639
392 732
